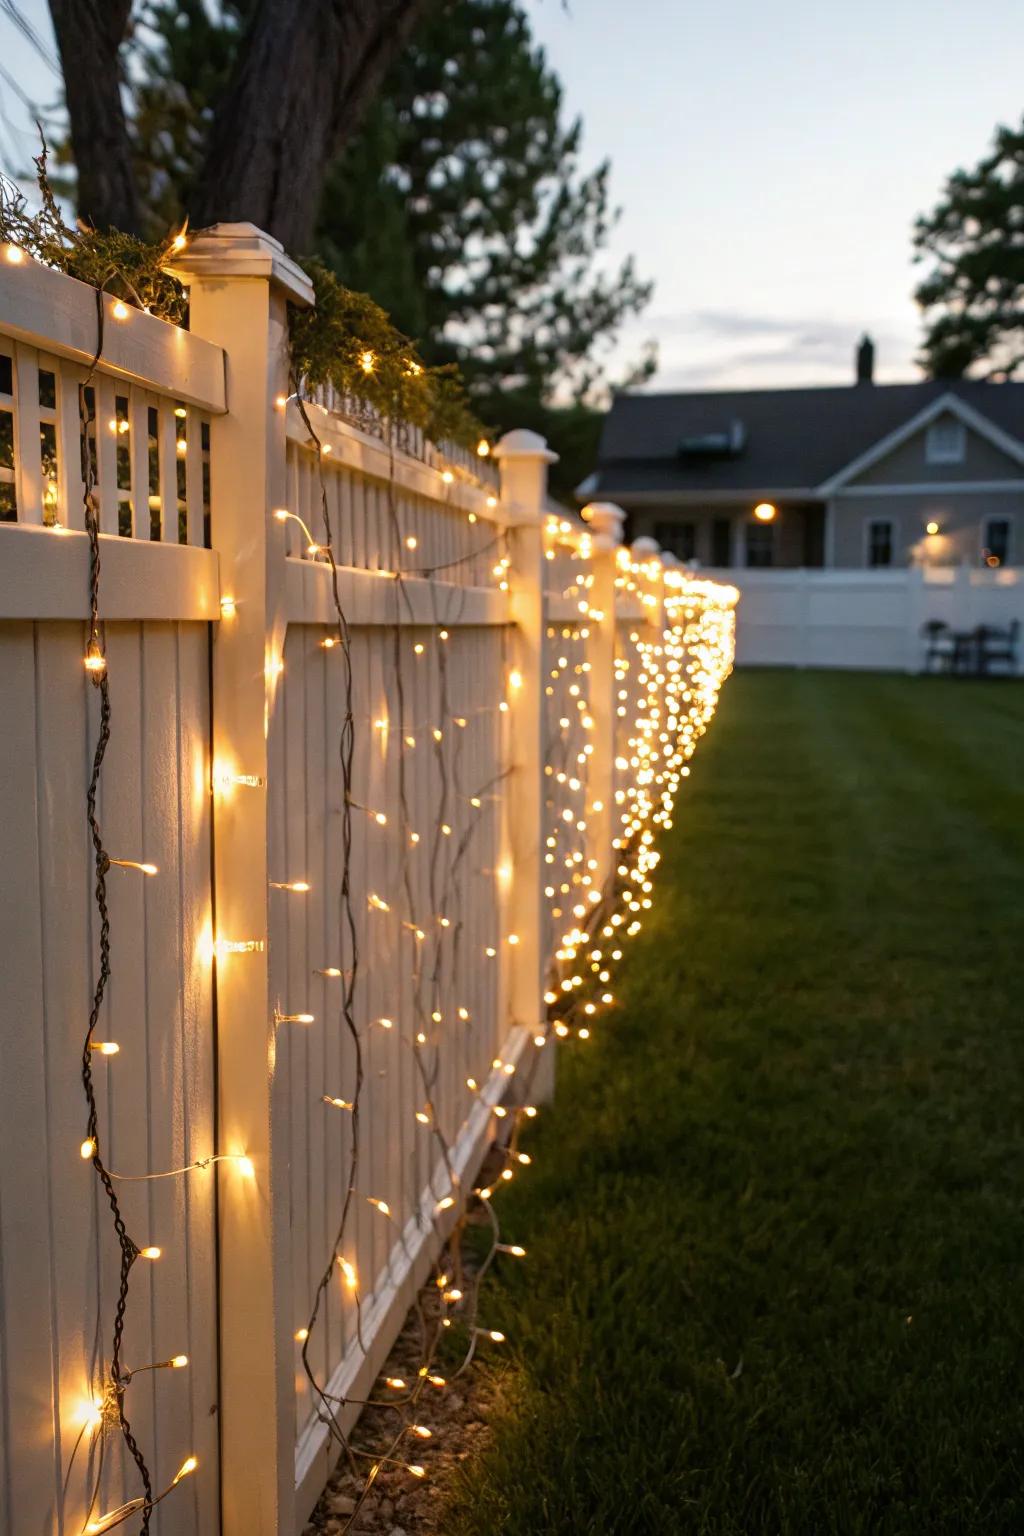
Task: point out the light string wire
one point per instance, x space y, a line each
346 752
440 885
98 674
434 961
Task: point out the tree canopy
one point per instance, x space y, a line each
973 296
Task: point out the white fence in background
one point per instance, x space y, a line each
864 619
506 725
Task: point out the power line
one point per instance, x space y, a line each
28 31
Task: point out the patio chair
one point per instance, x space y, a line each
939 644
999 646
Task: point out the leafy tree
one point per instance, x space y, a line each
458 204
973 297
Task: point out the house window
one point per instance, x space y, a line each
945 441
679 538
760 544
879 542
995 547
721 542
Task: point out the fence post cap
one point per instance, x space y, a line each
606 519
241 250
521 443
669 560
645 547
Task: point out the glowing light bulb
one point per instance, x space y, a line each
14 254
104 1047
381 1205
150 1253
179 1362
119 310
245 1166
445 1204
349 1273
188 1465
422 1431
95 661
87 1149
301 1335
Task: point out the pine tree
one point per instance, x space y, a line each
973 298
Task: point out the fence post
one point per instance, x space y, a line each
648 551
606 521
523 458
240 283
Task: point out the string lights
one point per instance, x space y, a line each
667 671
109 1410
439 833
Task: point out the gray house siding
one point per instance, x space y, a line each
908 464
961 516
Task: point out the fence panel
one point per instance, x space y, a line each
58 1252
866 619
412 800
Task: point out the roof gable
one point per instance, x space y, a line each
946 404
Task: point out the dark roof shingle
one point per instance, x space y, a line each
795 438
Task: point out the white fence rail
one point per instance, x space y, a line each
865 619
523 691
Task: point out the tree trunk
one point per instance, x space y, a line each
89 36
304 75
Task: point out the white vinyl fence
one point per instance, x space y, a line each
378 838
868 619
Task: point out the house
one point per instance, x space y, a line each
867 475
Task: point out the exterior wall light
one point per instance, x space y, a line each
765 512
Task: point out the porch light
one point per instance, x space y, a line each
765 512
931 529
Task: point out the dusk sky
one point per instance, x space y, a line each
769 160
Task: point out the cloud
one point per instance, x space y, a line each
738 349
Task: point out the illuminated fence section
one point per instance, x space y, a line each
356 751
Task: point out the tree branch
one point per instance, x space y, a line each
89 36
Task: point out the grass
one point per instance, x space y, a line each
776 1218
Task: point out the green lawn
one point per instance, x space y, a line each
776 1218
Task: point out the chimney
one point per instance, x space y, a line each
866 361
